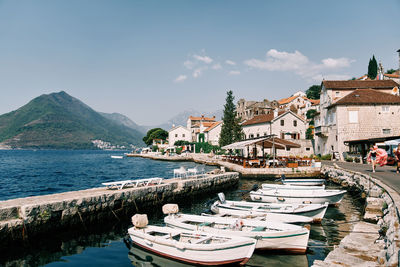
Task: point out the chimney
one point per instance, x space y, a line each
214 117
275 113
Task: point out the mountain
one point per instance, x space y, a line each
61 121
124 120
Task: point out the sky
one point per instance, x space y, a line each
150 60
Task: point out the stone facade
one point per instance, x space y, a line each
346 115
286 125
247 110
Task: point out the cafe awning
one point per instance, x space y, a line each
266 142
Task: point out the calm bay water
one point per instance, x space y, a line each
27 173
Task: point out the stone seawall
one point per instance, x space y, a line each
24 219
376 240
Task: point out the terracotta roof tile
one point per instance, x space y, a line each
284 101
392 75
201 118
368 97
215 124
262 118
357 84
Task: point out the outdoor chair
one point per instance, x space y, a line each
180 173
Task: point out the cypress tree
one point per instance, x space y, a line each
231 129
372 68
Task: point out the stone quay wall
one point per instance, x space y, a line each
375 241
24 219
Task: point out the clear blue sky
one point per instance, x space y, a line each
150 60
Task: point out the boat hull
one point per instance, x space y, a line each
284 197
238 250
304 182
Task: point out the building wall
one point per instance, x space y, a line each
214 134
179 133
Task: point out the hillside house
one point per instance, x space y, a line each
179 133
194 123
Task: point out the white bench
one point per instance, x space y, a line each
133 183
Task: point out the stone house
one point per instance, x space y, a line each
246 110
297 102
355 110
194 123
179 133
284 124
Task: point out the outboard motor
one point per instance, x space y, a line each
221 197
255 187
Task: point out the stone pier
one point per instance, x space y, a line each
26 218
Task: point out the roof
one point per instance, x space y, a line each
359 84
392 75
284 101
368 97
215 124
266 142
179 126
314 101
268 118
201 118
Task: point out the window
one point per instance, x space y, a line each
183 135
282 135
386 131
307 149
282 123
258 135
251 135
176 135
288 149
385 108
337 94
295 123
353 116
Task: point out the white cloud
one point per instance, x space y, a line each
198 72
300 64
189 64
204 59
234 72
216 66
230 62
180 78
337 62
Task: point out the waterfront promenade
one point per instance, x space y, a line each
386 174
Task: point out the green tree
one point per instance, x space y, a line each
231 129
390 71
311 113
309 133
372 68
155 133
313 92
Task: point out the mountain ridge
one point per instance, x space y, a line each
58 120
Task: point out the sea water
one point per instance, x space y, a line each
27 173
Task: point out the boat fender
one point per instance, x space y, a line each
307 226
280 199
307 202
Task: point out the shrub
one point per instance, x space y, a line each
357 159
178 150
326 157
154 148
348 159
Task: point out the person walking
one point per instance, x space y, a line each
396 152
372 156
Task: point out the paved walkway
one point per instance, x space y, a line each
386 174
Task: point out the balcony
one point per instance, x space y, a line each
321 131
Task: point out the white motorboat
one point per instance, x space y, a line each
314 211
298 196
269 235
190 247
292 187
304 182
117 157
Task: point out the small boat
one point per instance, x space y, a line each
292 187
269 235
298 196
117 157
192 247
304 182
314 211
